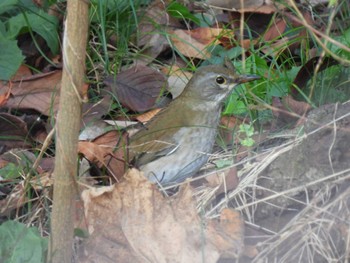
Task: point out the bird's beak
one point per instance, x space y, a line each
247 78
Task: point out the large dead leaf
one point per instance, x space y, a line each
38 92
137 88
133 222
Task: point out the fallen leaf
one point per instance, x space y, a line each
93 152
115 142
13 133
228 125
152 26
38 92
137 88
94 111
250 251
275 30
22 72
248 5
42 181
5 95
14 200
298 107
194 43
224 181
133 222
177 80
145 117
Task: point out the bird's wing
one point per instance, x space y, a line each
145 152
159 138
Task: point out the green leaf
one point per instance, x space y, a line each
205 20
2 31
247 129
235 107
247 142
219 53
21 244
234 52
223 163
6 5
332 3
178 10
42 23
11 58
10 171
82 233
344 38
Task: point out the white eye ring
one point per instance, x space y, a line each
220 80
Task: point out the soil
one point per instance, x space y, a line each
306 192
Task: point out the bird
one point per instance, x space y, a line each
178 141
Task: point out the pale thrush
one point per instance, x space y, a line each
178 141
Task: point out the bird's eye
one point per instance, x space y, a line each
220 80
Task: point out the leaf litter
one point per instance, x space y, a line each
289 211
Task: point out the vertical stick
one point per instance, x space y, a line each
67 131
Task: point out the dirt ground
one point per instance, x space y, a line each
301 201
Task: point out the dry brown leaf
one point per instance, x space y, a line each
41 181
137 88
194 43
288 110
15 200
93 152
47 164
13 133
107 150
133 222
275 30
277 47
5 94
38 92
94 111
226 179
284 115
152 26
263 9
22 72
3 163
228 124
116 142
145 117
298 107
249 6
250 251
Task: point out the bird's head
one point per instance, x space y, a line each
215 82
